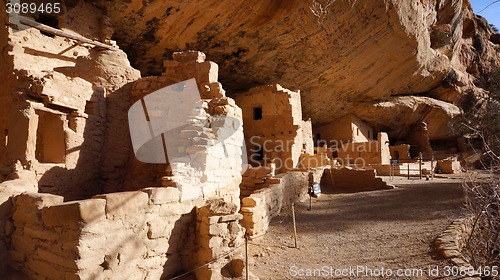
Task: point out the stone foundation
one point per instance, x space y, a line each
448 166
219 237
351 180
147 234
264 204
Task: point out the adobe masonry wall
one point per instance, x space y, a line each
351 180
448 166
400 151
145 234
123 171
138 234
46 84
76 94
260 207
55 91
280 131
256 178
365 153
321 158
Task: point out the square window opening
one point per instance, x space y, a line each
257 113
50 138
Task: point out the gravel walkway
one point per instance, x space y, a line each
390 229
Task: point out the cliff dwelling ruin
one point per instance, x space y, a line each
159 139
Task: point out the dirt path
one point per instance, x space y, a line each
393 229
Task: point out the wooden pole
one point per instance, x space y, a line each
246 257
54 31
294 225
420 167
432 168
408 165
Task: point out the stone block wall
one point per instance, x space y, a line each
315 161
274 129
8 190
256 178
448 166
146 234
351 180
260 207
54 93
343 130
361 154
219 237
203 163
400 151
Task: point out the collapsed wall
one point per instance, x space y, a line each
205 152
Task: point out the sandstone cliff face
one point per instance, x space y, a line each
340 54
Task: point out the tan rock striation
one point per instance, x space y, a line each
338 55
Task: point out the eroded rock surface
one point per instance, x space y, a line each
337 54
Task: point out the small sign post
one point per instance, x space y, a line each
314 191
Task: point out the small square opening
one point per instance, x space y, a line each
50 138
90 108
257 113
396 154
259 153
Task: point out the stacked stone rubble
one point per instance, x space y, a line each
262 205
256 178
220 241
147 234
